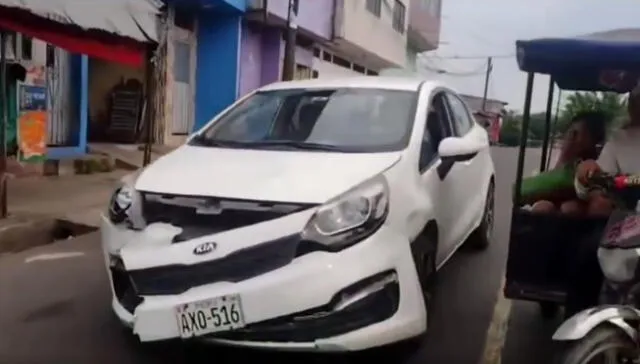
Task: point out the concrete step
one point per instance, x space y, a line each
89 164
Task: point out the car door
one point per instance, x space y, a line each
466 184
437 128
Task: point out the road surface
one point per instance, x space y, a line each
54 309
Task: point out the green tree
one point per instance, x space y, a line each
510 129
536 126
612 105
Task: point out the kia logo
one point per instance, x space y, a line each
205 248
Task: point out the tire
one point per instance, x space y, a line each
600 339
425 258
424 251
549 310
481 237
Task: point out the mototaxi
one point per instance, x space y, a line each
541 245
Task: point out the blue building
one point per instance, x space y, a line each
203 69
201 43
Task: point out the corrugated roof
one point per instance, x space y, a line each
136 19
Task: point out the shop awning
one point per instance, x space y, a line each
113 30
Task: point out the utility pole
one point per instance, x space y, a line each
4 106
289 62
486 82
148 117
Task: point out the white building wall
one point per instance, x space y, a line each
39 52
329 70
375 34
412 58
332 64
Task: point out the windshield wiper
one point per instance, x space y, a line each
298 145
201 140
207 142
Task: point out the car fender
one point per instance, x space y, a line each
580 324
418 218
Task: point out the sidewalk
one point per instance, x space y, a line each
77 198
128 156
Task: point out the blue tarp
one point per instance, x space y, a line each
606 61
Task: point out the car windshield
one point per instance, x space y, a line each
341 120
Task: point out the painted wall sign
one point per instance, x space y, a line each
32 123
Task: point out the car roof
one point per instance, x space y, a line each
380 82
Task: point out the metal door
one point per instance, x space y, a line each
59 106
183 81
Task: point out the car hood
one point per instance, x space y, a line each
266 175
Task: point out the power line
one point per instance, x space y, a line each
425 64
443 71
477 57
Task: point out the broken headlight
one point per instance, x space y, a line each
125 205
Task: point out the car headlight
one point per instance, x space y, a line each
125 205
350 217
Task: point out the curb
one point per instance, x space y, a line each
20 233
88 165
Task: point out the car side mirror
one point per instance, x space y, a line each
458 149
454 149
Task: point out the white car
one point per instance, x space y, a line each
309 215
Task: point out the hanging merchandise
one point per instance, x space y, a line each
32 123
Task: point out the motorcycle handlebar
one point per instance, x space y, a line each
614 182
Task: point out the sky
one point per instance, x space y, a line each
472 29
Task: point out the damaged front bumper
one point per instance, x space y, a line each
365 296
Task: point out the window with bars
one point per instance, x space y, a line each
374 7
19 46
26 48
302 72
399 13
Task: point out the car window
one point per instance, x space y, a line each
254 118
436 129
460 114
349 119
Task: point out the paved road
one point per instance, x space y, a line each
55 309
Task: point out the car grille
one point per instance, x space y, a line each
238 266
182 211
122 287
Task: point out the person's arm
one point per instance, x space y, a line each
607 163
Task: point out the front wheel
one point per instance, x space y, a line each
481 237
605 344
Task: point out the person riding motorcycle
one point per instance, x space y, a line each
618 156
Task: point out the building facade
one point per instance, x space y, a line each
202 65
262 46
424 29
210 52
335 38
373 32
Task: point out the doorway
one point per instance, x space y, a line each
184 64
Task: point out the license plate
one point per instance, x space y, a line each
209 316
